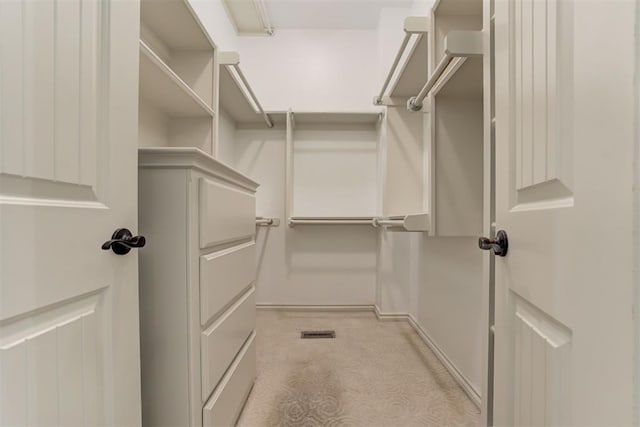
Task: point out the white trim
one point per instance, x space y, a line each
313 308
468 388
462 381
386 317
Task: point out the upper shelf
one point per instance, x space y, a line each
175 23
412 74
340 118
163 88
458 7
236 96
415 66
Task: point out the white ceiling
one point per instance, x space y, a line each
328 14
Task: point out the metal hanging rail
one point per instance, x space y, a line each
458 44
232 60
330 221
412 25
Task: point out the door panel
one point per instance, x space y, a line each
68 171
541 56
565 143
50 351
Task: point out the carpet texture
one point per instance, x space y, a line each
374 374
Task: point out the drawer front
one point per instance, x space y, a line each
221 341
224 407
226 213
223 275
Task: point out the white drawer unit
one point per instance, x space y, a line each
225 404
197 305
224 338
223 275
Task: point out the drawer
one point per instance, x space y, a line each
223 275
221 341
226 213
224 407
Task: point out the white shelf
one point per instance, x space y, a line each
164 89
458 7
347 118
410 222
175 23
414 70
234 100
463 77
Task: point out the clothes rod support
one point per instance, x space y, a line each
458 44
412 25
267 222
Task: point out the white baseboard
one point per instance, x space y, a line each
448 364
333 308
390 316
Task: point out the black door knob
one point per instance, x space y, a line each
499 245
122 241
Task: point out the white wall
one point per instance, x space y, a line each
312 70
305 265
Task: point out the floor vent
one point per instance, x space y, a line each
318 334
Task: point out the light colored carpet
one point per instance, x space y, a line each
372 374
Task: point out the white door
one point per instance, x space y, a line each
564 343
69 344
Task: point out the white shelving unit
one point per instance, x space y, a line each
165 90
456 163
177 78
332 160
403 136
197 306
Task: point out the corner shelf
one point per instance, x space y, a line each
164 89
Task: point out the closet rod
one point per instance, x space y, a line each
265 116
331 221
458 44
390 222
412 25
415 103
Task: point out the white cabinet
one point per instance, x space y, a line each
197 273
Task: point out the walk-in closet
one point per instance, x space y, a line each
376 213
